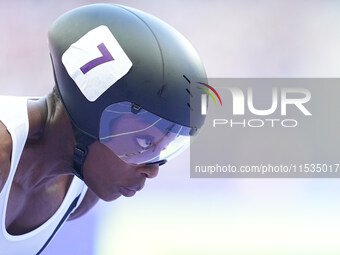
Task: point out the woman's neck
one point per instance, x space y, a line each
48 152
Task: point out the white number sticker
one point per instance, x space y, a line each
96 62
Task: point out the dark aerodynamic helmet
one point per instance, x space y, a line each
128 80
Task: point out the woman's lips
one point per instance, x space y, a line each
127 192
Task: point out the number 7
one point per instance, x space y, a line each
106 57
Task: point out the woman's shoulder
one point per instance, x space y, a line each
5 154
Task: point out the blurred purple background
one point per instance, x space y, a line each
176 214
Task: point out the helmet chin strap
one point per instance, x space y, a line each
83 140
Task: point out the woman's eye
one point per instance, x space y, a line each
144 142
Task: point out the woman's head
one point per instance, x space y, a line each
105 54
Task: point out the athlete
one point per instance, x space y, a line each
125 102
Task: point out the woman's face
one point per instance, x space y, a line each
109 177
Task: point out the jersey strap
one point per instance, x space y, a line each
69 210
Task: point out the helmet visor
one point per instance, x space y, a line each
140 137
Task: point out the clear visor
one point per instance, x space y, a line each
140 137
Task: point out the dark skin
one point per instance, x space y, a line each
44 172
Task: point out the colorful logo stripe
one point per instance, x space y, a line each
212 89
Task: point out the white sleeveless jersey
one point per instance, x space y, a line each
13 114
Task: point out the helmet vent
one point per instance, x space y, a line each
189 107
189 92
186 79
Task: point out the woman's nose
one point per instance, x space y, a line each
149 171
